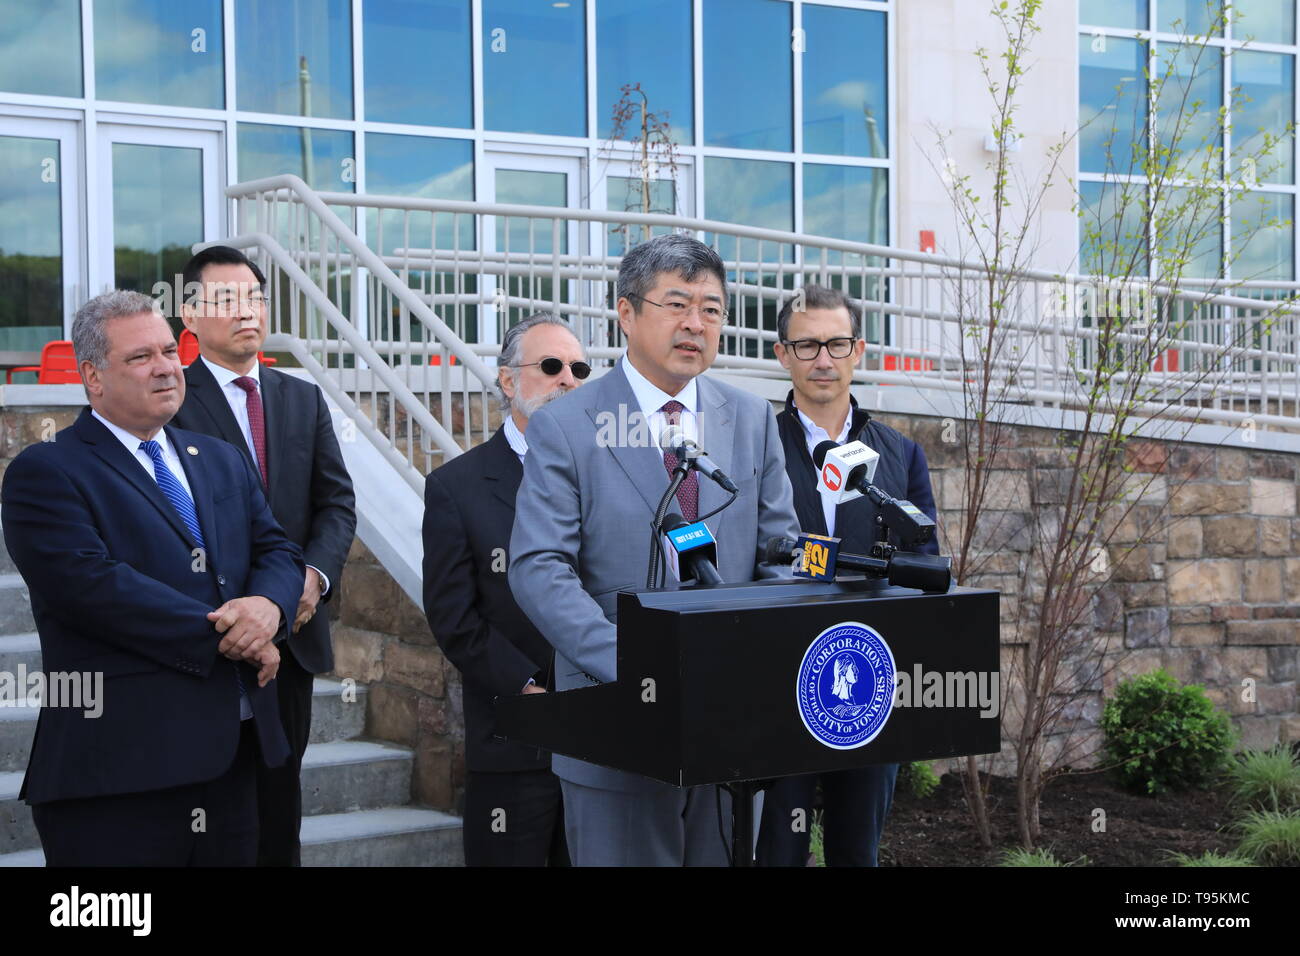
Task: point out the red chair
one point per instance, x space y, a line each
188 347
58 365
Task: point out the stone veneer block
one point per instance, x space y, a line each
1272 497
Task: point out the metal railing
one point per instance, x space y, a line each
434 284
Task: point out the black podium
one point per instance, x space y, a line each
707 689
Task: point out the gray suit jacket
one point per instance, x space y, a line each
583 513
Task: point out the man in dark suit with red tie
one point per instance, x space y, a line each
282 425
513 812
154 566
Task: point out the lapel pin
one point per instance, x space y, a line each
191 449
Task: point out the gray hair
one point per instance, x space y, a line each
89 340
675 253
813 296
514 342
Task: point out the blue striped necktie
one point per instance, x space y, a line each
174 490
184 505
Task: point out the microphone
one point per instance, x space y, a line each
904 569
691 551
673 438
848 469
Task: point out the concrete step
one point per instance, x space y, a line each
17 831
355 775
7 565
338 711
20 649
15 606
17 727
392 836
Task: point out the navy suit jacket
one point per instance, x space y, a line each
118 589
310 491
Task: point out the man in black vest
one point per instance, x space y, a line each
513 810
282 426
820 342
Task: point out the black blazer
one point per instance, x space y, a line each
902 472
310 491
117 590
469 510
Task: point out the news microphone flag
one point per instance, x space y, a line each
817 554
686 541
844 468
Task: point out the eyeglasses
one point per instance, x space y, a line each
808 349
236 306
553 366
710 314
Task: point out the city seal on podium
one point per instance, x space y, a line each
845 689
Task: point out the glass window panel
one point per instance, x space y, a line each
1112 104
1129 14
160 51
1191 18
1188 234
322 157
157 212
528 187
534 78
846 202
31 243
749 192
1266 21
1187 111
1112 229
417 62
40 47
425 168
1263 237
1263 106
294 57
632 33
747 106
845 103
629 194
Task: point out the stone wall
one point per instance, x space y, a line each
1203 574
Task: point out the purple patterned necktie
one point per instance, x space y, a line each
688 493
256 423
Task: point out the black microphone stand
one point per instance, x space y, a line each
679 475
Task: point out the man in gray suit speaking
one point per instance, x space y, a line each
592 478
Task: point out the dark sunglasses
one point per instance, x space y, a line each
553 366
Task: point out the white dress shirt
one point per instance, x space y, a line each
132 445
651 399
815 435
515 438
237 399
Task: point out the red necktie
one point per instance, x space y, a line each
688 493
256 423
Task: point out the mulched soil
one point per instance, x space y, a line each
1139 831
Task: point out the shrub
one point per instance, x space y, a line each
918 778
1040 857
1209 858
1163 736
1266 779
1270 837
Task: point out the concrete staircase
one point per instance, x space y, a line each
356 793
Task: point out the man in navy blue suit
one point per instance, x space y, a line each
153 560
820 342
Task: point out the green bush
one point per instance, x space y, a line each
1164 736
1209 858
919 779
1266 779
1270 837
1017 856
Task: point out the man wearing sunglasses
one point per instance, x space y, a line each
820 343
582 528
513 813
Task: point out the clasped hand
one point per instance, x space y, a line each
247 626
